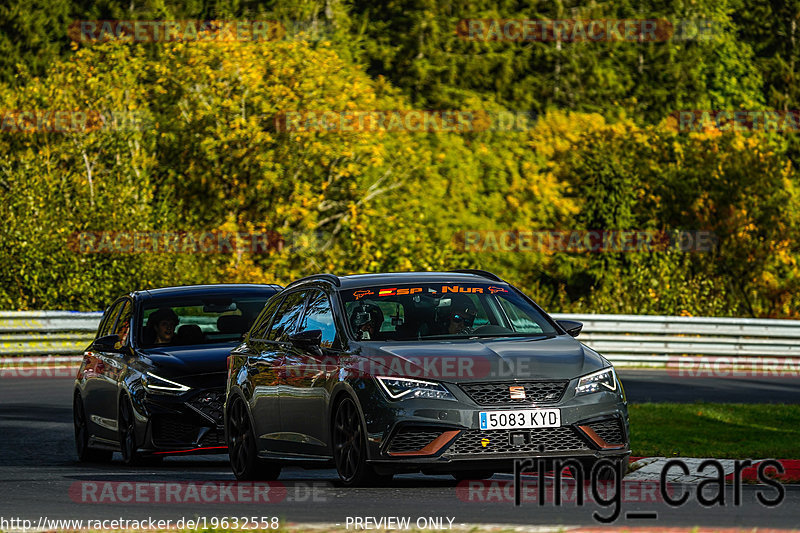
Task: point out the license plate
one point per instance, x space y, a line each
522 418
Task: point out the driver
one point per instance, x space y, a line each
163 323
462 316
366 320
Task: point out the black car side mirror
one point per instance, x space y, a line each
572 327
107 343
308 340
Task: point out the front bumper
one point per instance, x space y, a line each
434 435
180 424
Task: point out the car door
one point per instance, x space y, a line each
308 370
265 365
101 385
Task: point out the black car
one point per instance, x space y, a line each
438 372
153 381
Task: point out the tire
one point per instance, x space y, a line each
349 440
126 428
85 453
242 449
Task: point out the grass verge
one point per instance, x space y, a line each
722 430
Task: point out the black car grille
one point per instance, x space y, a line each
172 431
411 440
542 440
609 430
209 405
536 392
213 438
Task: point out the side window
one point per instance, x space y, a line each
319 316
106 328
286 317
519 319
123 322
262 322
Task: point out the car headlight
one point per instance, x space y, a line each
402 388
153 383
604 380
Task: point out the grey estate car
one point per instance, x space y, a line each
439 372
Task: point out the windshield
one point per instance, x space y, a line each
197 320
437 310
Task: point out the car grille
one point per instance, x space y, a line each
536 392
209 405
172 431
411 440
609 430
213 438
543 440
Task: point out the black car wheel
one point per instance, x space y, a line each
127 433
85 453
350 447
242 448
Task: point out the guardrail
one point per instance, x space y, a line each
650 340
638 340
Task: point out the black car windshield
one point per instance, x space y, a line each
441 310
197 320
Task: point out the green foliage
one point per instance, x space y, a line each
209 157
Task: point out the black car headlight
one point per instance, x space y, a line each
157 384
603 380
402 388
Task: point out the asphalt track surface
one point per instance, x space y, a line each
40 477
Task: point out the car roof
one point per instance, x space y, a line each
354 281
201 290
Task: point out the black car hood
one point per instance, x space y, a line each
195 366
498 359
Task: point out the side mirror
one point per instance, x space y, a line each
107 343
308 340
572 327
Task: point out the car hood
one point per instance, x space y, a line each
195 366
499 359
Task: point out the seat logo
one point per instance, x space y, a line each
517 393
